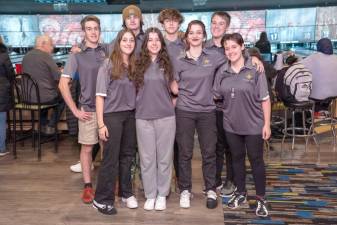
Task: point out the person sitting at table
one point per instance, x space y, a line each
40 65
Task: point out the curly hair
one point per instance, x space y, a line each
144 60
170 14
118 66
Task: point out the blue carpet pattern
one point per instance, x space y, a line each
297 194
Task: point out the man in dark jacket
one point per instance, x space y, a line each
7 76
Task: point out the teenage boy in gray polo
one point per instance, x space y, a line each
219 23
133 20
171 19
86 63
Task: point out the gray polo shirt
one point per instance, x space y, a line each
120 94
243 93
43 69
324 74
139 41
211 45
153 99
195 80
86 63
176 50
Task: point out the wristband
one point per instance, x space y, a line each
101 127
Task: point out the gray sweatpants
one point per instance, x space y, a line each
155 145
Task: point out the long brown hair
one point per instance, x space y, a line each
118 66
144 61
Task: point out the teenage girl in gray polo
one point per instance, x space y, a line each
195 110
246 118
115 107
155 119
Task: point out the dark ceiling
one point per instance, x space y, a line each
116 6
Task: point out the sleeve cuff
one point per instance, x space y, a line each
101 94
265 98
66 75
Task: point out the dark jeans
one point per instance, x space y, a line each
95 150
57 112
222 149
238 145
119 152
204 123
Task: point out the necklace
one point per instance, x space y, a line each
192 56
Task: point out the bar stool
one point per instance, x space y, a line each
302 107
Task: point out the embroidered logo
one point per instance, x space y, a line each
249 76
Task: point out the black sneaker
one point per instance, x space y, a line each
211 201
105 209
261 208
236 200
228 189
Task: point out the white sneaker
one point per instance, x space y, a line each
77 168
149 204
131 202
185 199
3 153
160 203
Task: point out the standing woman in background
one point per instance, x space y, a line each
7 77
246 119
155 119
115 107
195 110
263 43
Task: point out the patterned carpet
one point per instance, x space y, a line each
297 194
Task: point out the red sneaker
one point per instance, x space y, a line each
88 195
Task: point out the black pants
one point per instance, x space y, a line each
204 123
176 158
238 145
119 152
222 149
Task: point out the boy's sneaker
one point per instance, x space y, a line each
88 195
131 202
228 189
3 153
77 168
212 201
261 208
236 200
105 209
185 199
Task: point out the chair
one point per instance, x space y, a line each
292 130
28 98
330 120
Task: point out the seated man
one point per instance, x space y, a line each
39 64
323 66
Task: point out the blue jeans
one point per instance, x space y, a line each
56 115
3 116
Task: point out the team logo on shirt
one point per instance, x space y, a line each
249 76
206 62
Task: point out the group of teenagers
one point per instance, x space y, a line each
150 92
